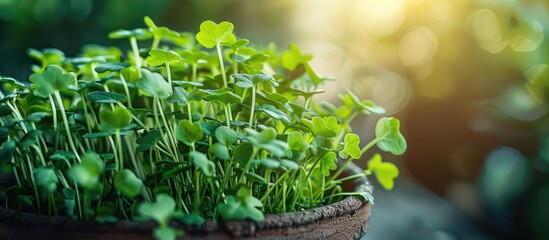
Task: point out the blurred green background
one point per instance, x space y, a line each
469 80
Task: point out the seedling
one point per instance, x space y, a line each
173 136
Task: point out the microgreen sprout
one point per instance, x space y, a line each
165 133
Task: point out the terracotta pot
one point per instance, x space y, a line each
347 219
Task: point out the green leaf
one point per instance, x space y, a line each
160 210
241 207
159 57
351 145
269 163
200 160
149 140
391 140
111 66
293 57
385 172
141 34
178 97
212 34
46 179
289 164
248 80
326 126
296 142
273 112
220 151
224 96
189 219
87 173
47 56
105 97
126 182
50 80
37 116
327 163
166 233
369 106
225 135
242 153
153 85
12 82
189 132
115 119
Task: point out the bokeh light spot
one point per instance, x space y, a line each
418 47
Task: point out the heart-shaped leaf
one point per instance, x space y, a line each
327 163
350 145
115 119
220 151
87 173
385 172
189 132
50 80
126 182
212 34
46 179
153 85
200 160
225 135
159 57
160 210
293 57
326 126
241 207
391 140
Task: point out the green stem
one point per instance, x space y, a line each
137 58
252 107
269 190
155 42
126 90
221 64
171 134
120 150
66 122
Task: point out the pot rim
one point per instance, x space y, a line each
238 228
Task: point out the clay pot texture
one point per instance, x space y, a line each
346 219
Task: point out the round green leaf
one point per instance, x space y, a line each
159 57
212 34
46 179
385 172
115 119
225 135
391 140
87 173
160 210
50 80
126 182
153 85
200 160
189 132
